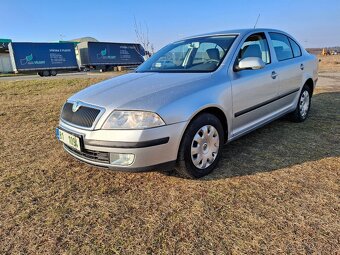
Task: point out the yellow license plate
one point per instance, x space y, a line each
68 139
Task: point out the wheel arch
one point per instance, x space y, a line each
310 84
218 112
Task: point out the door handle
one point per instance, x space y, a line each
274 75
302 67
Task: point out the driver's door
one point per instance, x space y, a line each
252 90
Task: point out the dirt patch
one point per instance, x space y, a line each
275 191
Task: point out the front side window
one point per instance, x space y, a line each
281 46
203 54
255 45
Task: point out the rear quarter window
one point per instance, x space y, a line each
296 48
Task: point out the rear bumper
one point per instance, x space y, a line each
154 148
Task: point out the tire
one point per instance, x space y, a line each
53 72
191 165
301 111
40 74
102 69
46 73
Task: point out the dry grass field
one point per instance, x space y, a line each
329 63
276 190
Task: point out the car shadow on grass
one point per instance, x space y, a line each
283 143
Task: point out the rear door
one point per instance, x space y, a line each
289 66
252 90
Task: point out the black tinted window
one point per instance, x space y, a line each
296 48
281 46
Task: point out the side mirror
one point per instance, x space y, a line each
250 63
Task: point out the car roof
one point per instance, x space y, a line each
238 32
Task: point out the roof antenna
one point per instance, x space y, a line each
257 20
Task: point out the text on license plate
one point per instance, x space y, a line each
68 139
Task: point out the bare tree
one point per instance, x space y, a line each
142 34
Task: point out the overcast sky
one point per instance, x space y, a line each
315 23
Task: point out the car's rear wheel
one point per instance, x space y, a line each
200 148
303 106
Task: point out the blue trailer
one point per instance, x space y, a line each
44 58
106 55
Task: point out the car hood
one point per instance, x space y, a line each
141 91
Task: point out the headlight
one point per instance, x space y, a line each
132 120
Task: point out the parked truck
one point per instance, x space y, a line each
104 56
44 58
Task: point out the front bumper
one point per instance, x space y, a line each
154 148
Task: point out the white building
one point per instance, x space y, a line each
5 60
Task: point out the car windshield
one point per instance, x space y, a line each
203 54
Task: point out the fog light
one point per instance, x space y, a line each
121 159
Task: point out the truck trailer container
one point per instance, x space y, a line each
44 58
106 55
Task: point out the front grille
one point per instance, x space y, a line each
84 116
98 156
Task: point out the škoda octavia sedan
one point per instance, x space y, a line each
181 105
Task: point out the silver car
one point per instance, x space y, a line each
193 96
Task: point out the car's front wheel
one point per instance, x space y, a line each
302 109
200 149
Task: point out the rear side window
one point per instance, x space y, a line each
295 47
281 46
